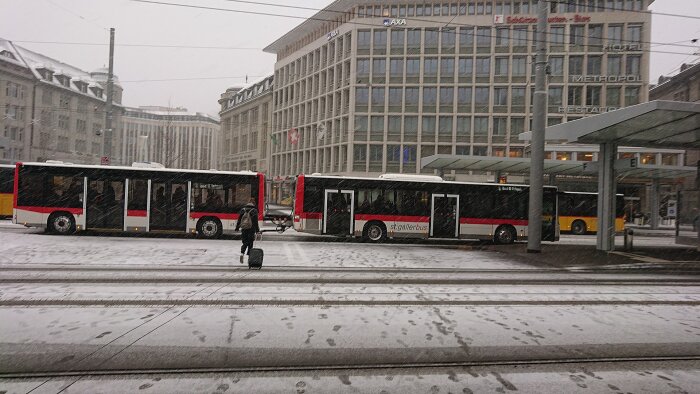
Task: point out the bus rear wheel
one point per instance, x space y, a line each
505 235
374 232
209 228
61 223
578 227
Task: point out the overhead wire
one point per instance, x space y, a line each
355 22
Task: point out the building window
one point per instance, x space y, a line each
447 67
500 96
593 67
634 34
575 97
378 98
481 125
414 39
520 37
396 68
466 67
429 96
595 35
563 156
362 68
593 95
446 98
614 34
363 39
379 40
428 128
448 40
483 37
466 38
464 128
430 67
481 96
633 65
612 96
556 66
648 158
464 96
631 95
379 68
412 68
614 65
555 96
519 66
445 128
412 96
576 35
361 96
501 66
502 37
483 66
557 35
518 96
431 38
500 126
517 126
575 65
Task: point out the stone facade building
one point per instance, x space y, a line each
364 88
173 137
54 111
246 119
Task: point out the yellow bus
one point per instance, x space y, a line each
578 213
7 186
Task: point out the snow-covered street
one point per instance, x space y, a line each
128 304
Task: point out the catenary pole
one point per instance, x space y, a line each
108 135
534 227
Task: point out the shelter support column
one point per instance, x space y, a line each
654 203
607 188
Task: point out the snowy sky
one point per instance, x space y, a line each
139 23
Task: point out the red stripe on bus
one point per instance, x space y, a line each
299 199
513 222
311 215
393 218
220 216
74 211
136 213
261 196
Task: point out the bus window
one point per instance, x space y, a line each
138 195
65 191
411 203
207 197
7 176
313 199
238 196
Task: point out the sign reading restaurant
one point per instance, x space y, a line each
520 20
582 109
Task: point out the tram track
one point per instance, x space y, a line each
355 368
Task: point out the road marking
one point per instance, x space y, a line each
638 257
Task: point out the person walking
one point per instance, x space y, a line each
248 224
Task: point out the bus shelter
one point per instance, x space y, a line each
656 124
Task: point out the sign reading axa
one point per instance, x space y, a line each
394 22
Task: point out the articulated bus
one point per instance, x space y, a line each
66 198
7 175
578 212
408 206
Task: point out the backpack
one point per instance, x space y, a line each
246 221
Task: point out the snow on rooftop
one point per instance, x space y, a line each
36 62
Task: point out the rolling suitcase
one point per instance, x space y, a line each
255 259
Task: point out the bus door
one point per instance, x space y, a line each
105 204
338 210
444 216
168 208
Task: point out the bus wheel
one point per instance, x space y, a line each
375 232
61 223
578 227
505 235
209 228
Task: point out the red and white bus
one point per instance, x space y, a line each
404 206
66 198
